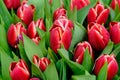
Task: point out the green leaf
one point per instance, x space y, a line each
105 2
52 55
76 68
102 75
40 32
116 51
112 14
4 13
82 13
72 15
39 8
118 61
87 61
108 48
66 4
55 4
79 34
31 48
51 72
3 39
5 63
83 77
37 72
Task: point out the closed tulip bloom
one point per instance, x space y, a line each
79 4
114 4
32 32
34 79
19 71
42 63
112 67
80 50
25 13
12 4
98 36
115 32
60 36
14 34
98 14
60 12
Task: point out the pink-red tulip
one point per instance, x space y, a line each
14 34
98 14
31 31
60 34
79 4
25 13
98 36
19 71
34 79
114 3
80 50
12 4
115 32
42 63
60 12
112 67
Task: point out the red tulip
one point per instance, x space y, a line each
115 32
60 12
60 34
12 4
34 79
31 31
98 36
112 67
80 50
98 14
15 34
114 3
25 13
42 63
79 4
19 71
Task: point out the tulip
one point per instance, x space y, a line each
114 3
34 79
42 63
60 35
31 31
60 12
80 50
79 4
98 36
98 14
112 67
14 34
63 22
115 32
19 71
12 4
25 13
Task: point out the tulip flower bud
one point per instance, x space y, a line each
63 22
25 13
80 50
12 4
98 36
42 63
112 67
115 32
60 36
114 3
79 4
60 12
31 31
14 34
34 79
19 71
98 14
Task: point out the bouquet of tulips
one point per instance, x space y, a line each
59 39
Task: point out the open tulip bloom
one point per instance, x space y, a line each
59 39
